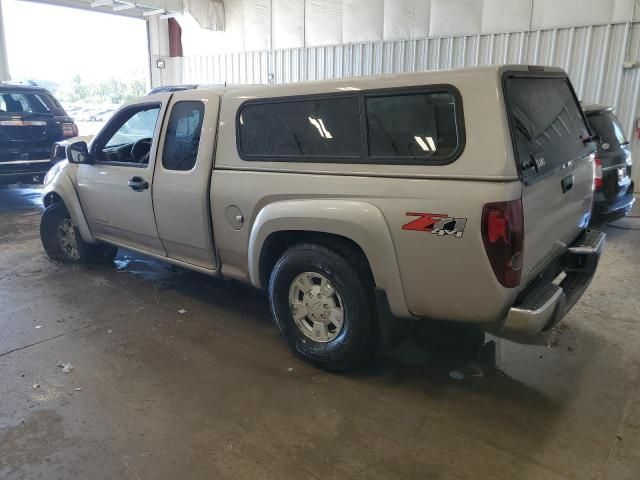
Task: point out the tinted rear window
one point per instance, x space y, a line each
412 125
39 102
327 127
546 123
606 125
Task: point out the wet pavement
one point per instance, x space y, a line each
213 392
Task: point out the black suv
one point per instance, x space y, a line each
613 196
31 121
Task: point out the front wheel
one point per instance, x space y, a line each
320 304
62 241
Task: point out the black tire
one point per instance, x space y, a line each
347 349
102 253
52 218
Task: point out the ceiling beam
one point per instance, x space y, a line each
101 3
123 6
151 13
113 7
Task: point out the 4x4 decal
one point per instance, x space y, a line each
436 224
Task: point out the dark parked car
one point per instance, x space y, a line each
613 185
31 121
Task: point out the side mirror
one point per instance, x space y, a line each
78 152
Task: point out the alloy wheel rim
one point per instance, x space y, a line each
67 239
316 307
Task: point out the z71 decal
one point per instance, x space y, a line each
436 224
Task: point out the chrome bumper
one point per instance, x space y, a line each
25 162
543 304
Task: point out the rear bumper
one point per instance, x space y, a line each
23 171
604 210
544 303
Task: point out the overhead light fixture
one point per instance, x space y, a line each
123 6
422 144
101 3
151 13
431 143
319 124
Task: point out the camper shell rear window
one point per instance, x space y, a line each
548 127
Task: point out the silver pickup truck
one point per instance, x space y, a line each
357 203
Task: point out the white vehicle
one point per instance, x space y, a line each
358 203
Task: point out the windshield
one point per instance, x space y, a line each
141 125
607 126
21 102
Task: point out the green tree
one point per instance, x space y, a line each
103 92
80 92
137 88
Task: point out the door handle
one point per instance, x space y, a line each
567 183
138 184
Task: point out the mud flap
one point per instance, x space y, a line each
392 330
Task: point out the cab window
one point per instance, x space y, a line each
183 136
128 137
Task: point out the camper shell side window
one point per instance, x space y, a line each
403 126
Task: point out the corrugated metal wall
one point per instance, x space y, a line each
593 57
4 65
252 25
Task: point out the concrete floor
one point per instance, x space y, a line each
214 392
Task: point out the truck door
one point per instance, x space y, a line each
115 189
183 176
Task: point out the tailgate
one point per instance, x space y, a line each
22 139
554 152
28 137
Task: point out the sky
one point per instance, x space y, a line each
54 43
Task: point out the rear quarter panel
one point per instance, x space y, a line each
442 277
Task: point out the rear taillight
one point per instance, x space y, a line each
503 236
597 173
69 130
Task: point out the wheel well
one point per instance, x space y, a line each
278 242
51 198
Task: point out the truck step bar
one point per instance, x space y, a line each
543 304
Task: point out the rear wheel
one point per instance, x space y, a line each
321 306
62 241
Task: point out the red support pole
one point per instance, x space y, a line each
175 38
